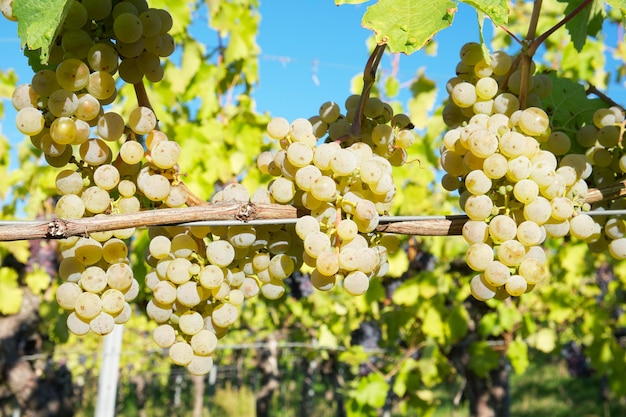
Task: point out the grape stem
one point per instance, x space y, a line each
537 42
533 43
369 78
144 101
592 89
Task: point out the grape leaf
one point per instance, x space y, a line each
38 22
568 105
517 352
38 281
10 293
497 10
406 25
586 23
483 358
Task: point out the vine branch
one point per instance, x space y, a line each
240 213
537 42
592 89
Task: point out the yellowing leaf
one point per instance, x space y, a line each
432 325
38 281
19 249
398 264
10 294
408 25
407 293
544 340
327 338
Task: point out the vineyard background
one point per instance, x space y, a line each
439 349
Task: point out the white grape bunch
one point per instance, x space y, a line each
345 183
517 180
201 276
103 165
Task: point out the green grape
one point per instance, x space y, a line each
127 28
72 74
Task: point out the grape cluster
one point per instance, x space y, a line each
202 275
98 284
601 139
345 183
108 163
517 181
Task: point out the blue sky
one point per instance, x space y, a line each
312 49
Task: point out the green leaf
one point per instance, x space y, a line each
458 322
406 25
586 23
408 293
497 10
482 358
38 22
517 352
372 390
10 293
568 105
433 325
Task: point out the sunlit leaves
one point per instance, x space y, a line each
406 25
10 293
37 281
497 10
424 93
517 352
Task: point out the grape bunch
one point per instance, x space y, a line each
201 276
517 180
108 163
345 183
601 140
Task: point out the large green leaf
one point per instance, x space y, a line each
38 22
408 25
497 10
586 23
